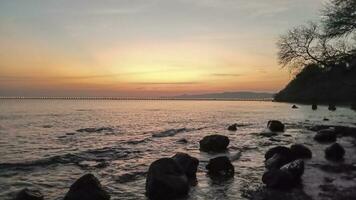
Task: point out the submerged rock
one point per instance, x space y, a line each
166 180
232 127
335 152
27 194
220 167
183 141
87 187
295 107
214 143
326 135
188 164
275 126
300 151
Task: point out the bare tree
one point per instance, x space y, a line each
307 44
340 17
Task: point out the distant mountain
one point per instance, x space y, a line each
228 95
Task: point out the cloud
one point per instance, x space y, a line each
166 83
226 75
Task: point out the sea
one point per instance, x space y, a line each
48 144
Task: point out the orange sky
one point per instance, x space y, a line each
144 48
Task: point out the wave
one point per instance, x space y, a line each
96 130
100 156
173 132
129 177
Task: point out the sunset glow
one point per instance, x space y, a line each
143 47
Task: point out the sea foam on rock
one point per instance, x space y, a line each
220 167
275 126
214 143
87 187
166 180
29 194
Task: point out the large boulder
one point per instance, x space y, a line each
326 135
220 167
275 126
296 168
277 161
188 164
166 180
29 194
232 127
335 152
300 151
214 143
278 179
285 151
87 187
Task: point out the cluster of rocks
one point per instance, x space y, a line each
171 178
335 151
285 166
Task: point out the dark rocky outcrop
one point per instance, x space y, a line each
166 180
188 164
28 194
214 143
87 187
300 151
220 167
326 135
232 127
275 126
335 152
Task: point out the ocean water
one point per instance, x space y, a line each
42 146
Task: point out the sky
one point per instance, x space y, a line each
137 48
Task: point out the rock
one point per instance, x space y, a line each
232 127
188 164
166 180
332 107
295 107
280 150
314 107
296 168
275 126
325 119
268 134
277 161
27 194
353 106
326 135
87 187
183 141
335 152
220 167
300 151
214 143
278 179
